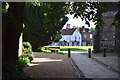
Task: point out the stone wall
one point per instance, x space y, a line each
105 35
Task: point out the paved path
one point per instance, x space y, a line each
51 66
111 59
79 51
92 69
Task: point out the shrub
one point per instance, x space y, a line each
24 61
42 49
27 48
27 45
27 55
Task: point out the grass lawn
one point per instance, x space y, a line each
55 52
48 49
73 48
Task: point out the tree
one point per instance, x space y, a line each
47 25
43 23
12 27
92 29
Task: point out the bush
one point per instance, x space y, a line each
27 55
27 45
27 48
27 51
24 61
12 71
42 49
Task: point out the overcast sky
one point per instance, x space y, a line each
77 22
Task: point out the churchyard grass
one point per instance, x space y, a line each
73 48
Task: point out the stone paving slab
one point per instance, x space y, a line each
92 69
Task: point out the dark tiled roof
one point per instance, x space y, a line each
81 30
68 31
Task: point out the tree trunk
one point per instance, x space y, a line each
12 27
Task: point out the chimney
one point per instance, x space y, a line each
68 26
83 28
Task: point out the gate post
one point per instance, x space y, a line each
68 52
104 52
89 53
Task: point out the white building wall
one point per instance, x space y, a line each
78 36
70 38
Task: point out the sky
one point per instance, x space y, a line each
77 22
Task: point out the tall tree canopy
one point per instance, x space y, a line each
43 23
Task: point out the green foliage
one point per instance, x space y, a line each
77 26
5 7
33 3
27 55
27 45
57 37
89 11
43 23
117 17
92 29
72 47
41 49
49 49
23 61
44 49
27 48
13 71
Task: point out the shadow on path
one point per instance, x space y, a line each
51 66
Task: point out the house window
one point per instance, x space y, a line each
90 36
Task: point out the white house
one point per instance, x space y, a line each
70 37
